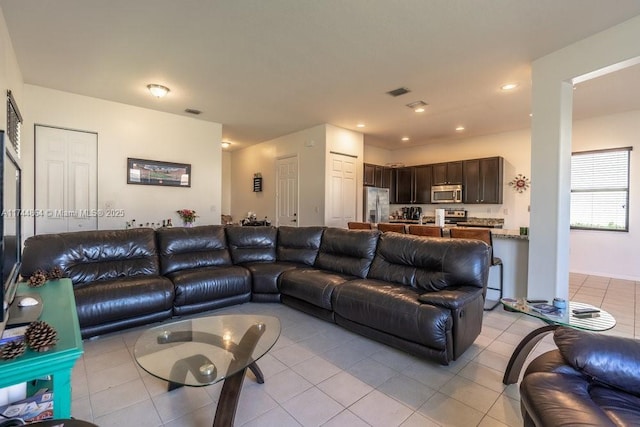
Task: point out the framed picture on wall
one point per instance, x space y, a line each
155 172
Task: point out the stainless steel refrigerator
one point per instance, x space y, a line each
376 204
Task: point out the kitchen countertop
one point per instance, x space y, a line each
508 234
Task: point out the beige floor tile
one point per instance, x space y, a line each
109 387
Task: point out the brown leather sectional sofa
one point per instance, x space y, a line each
422 295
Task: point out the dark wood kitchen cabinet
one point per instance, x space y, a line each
447 173
482 180
369 176
413 184
404 185
375 176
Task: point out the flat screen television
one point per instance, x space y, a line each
10 226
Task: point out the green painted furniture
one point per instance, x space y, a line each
59 310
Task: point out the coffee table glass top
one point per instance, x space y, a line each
202 351
603 322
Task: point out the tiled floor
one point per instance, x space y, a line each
320 374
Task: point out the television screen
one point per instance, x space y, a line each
10 246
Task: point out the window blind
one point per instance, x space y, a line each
600 189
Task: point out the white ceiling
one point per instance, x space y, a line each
266 68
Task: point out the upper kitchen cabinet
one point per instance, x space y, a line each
423 181
447 173
413 184
374 176
369 178
482 180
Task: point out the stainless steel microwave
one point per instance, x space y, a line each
446 193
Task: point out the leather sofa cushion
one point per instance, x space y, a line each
299 244
252 244
552 399
614 361
430 264
347 251
265 275
183 248
112 300
393 309
311 285
210 283
90 256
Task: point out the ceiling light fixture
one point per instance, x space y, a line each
418 106
405 138
509 86
459 128
360 125
226 144
158 91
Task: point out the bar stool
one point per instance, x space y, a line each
483 234
359 226
396 228
425 230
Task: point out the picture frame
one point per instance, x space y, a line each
156 172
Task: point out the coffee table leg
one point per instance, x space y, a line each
228 401
521 352
257 372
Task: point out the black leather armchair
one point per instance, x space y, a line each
591 380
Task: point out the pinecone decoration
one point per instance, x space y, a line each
37 279
55 273
13 349
40 336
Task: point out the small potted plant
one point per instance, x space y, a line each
188 216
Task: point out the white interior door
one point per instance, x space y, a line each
287 193
342 190
66 178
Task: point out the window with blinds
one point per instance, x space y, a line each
14 121
600 190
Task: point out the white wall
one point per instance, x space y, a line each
226 183
10 75
309 146
609 253
127 131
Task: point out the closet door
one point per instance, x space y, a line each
66 183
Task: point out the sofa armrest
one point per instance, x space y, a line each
608 359
551 399
452 298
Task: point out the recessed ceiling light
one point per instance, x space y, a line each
509 86
360 125
459 128
405 138
418 106
158 91
225 144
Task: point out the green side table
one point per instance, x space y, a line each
59 310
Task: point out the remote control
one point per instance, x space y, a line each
536 301
586 315
585 310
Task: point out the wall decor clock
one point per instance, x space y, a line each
520 183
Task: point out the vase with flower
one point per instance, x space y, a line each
188 217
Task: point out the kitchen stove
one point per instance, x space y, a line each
451 216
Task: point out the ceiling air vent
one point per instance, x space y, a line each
399 91
192 111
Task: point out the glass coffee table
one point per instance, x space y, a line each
202 351
564 317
